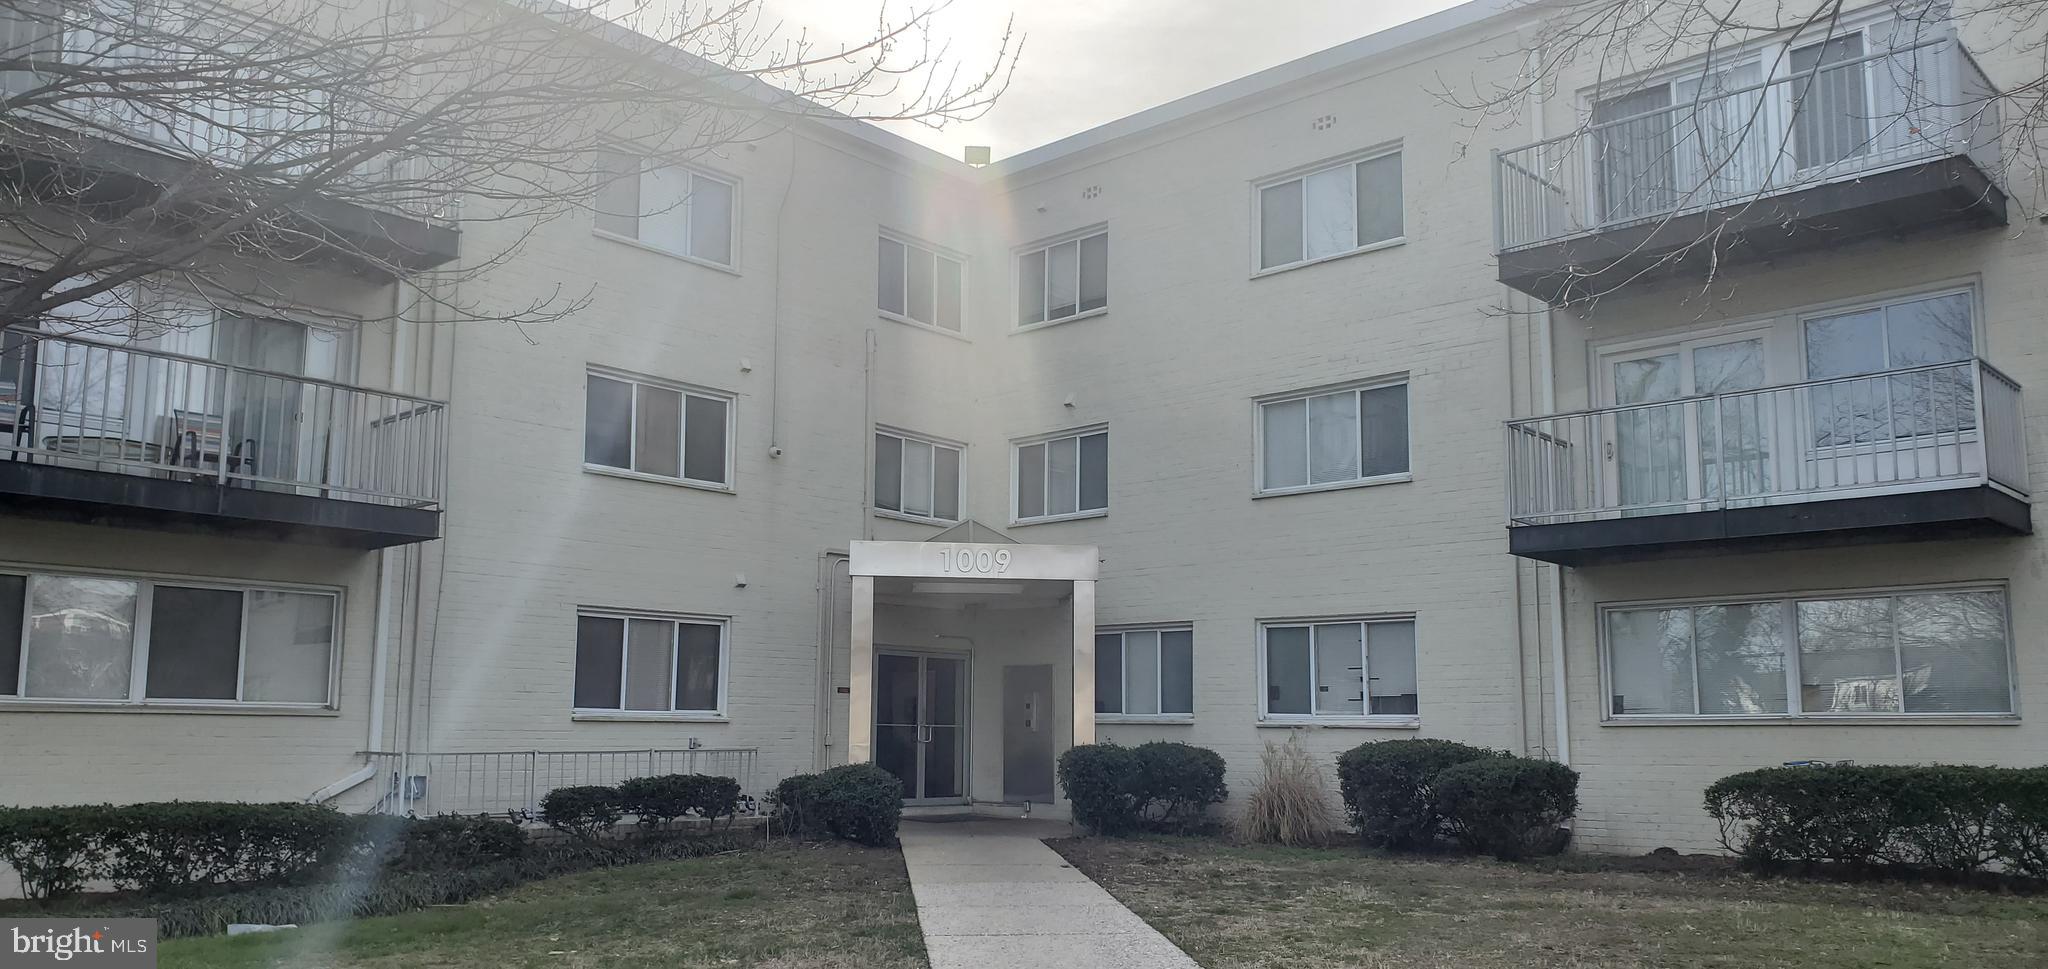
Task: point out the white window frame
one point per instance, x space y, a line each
731 182
1302 174
1123 683
1044 247
1794 713
938 252
1259 405
1017 495
1402 721
674 619
138 699
960 484
730 400
1772 52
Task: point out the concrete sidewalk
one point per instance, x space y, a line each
991 895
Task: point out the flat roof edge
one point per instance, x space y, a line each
1379 42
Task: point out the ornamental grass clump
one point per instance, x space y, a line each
1291 804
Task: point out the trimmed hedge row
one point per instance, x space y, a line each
1957 820
394 891
172 847
861 803
1420 795
590 811
1157 786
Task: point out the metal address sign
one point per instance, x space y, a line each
955 560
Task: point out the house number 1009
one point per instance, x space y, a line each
967 560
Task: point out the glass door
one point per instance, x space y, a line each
262 427
1666 454
920 724
1830 102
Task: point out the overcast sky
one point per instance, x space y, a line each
1086 62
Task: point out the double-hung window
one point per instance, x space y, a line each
659 429
1143 673
1338 669
1345 207
1064 279
1329 439
917 284
650 664
917 477
1062 477
122 640
1907 653
678 210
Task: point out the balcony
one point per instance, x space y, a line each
1726 172
1935 452
108 433
115 153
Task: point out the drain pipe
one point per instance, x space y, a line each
867 434
380 637
1560 682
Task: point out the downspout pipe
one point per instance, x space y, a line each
1560 680
380 639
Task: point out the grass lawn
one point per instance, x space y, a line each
1238 907
830 906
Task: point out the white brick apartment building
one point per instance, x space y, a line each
1206 409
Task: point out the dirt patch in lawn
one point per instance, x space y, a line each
1236 907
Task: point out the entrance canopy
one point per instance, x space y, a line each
978 667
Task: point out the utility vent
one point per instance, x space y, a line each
1324 123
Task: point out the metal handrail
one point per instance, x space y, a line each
1694 105
109 406
1755 391
1910 428
514 782
45 335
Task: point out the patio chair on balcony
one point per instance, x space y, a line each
197 441
17 422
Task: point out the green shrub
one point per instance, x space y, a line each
1508 807
456 841
787 801
55 850
2023 838
1387 791
393 892
1179 782
1957 820
585 811
858 802
1116 790
1101 781
170 846
670 796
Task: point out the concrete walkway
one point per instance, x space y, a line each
991 895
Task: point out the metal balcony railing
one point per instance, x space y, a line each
1729 144
511 783
1943 426
87 403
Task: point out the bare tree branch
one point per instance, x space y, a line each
207 140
